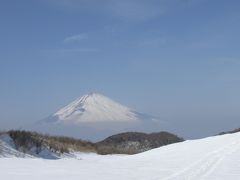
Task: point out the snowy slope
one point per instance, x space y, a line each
95 108
8 149
213 158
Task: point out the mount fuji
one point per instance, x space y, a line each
95 115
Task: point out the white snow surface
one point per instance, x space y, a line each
212 158
95 107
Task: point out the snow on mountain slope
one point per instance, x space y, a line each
213 158
95 108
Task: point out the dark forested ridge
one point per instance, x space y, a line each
124 143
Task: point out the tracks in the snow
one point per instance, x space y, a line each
204 166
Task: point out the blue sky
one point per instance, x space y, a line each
176 59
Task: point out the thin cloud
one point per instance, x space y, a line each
73 50
75 38
80 50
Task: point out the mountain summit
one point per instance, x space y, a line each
95 108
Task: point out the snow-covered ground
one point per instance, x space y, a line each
213 158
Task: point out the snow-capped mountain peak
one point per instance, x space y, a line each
94 117
93 108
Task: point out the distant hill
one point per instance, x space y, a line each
230 132
135 142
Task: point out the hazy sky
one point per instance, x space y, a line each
175 59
